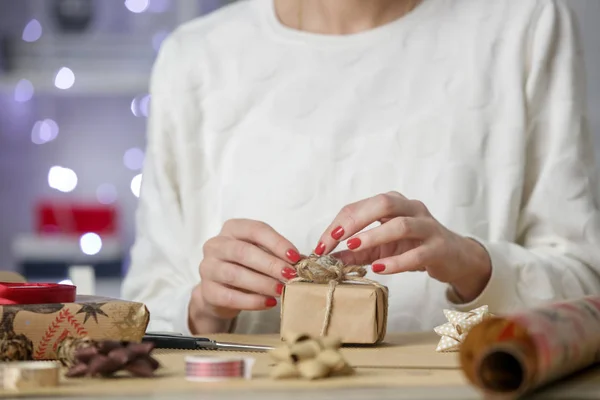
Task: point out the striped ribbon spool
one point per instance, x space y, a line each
206 369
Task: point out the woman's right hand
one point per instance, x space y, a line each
244 268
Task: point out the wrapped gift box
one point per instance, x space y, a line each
46 325
358 312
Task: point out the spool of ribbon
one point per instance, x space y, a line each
331 271
36 293
29 375
208 369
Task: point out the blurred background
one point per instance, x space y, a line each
73 106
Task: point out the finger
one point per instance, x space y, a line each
218 295
362 257
262 235
250 256
238 277
416 259
399 228
357 216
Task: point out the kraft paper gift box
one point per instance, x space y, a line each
358 311
43 327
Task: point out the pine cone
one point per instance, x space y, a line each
15 347
104 358
69 346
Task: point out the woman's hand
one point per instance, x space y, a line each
243 269
408 239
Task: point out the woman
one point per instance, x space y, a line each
451 134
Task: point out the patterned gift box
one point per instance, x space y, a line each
44 326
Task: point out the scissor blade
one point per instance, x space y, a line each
241 347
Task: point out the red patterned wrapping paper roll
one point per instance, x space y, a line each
515 354
36 293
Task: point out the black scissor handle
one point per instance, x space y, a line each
173 341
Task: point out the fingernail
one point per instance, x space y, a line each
320 249
337 233
288 273
378 267
279 288
353 243
271 302
293 255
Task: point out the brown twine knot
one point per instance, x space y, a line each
330 270
326 269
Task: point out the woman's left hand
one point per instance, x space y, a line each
408 239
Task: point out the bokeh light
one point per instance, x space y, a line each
135 109
134 159
33 31
65 78
62 179
136 184
44 131
90 243
140 105
23 91
144 105
106 193
137 6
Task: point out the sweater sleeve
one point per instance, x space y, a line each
159 275
556 254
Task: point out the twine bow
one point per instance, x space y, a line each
327 269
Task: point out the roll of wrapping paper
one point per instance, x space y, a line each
508 356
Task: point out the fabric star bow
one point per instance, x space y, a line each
458 326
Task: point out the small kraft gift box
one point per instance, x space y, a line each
329 298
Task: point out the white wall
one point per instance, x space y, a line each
588 13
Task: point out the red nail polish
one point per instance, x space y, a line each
378 267
354 243
337 233
320 249
279 288
293 255
271 302
288 273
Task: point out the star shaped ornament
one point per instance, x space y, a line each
458 326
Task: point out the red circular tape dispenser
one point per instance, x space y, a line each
36 293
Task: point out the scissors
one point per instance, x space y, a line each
163 340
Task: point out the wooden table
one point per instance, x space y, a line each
406 367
